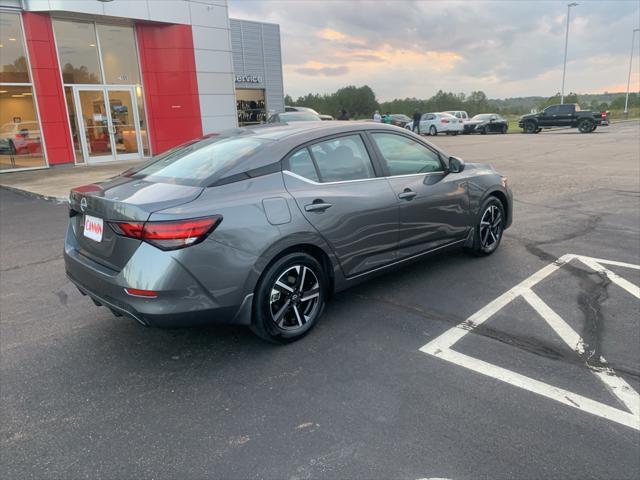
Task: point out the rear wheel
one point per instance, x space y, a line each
594 127
484 131
289 299
504 129
489 229
585 126
433 131
529 127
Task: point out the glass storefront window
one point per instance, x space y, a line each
251 106
13 57
78 51
20 136
119 59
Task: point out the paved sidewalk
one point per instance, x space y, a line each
55 183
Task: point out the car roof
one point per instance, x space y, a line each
281 138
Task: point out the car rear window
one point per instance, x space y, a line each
199 163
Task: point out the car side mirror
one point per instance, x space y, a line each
456 165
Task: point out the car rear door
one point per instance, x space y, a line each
347 200
434 205
566 114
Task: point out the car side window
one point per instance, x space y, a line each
405 156
301 164
342 159
552 110
566 109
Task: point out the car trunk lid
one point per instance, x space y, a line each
122 199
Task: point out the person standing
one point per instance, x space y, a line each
386 118
416 122
377 117
343 115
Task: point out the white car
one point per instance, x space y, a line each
435 123
20 138
459 114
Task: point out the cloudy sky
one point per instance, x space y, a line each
407 48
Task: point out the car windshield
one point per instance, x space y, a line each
298 117
198 163
483 116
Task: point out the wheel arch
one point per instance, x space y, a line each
311 244
502 197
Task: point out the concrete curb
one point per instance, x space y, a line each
38 196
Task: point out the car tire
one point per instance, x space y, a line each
504 129
594 127
433 131
489 228
529 127
280 312
484 131
585 126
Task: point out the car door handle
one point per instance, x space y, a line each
407 195
317 206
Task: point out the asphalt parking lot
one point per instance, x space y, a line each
395 382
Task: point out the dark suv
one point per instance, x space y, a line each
565 115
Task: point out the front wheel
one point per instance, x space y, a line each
433 131
289 299
488 231
529 127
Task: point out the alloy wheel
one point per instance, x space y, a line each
490 228
295 298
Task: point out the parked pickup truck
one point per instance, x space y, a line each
566 115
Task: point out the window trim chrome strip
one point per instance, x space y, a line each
312 182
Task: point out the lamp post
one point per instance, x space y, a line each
566 43
633 43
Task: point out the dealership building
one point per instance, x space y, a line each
83 82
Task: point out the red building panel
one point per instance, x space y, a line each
168 67
48 87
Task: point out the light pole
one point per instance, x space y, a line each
633 43
566 43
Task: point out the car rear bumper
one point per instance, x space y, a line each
181 300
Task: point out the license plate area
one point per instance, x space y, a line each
93 228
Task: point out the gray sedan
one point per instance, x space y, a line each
259 226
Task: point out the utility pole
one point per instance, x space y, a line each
566 43
633 44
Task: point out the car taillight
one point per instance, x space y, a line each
444 120
170 235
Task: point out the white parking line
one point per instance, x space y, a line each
441 346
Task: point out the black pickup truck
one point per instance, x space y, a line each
566 115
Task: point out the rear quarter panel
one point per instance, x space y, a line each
260 220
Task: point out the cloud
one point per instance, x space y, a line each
324 71
414 48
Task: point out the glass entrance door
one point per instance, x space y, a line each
109 122
96 140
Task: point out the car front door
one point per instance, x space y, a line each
347 200
549 117
434 205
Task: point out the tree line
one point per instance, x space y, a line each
360 102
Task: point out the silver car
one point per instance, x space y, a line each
259 226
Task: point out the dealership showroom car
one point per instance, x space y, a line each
435 123
486 123
259 226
